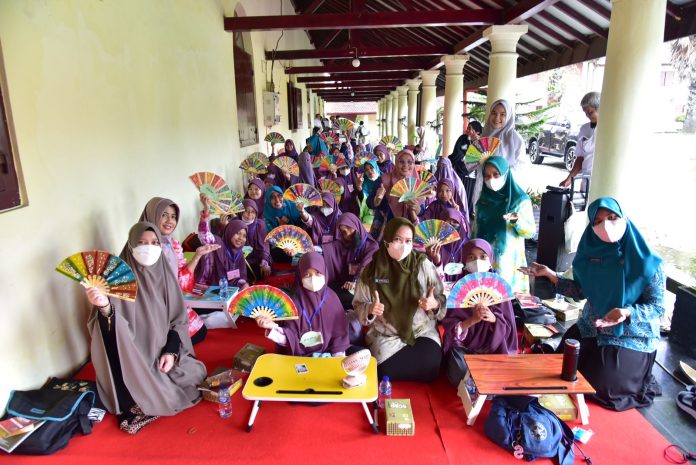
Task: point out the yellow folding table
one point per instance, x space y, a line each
278 377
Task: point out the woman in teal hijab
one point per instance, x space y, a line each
504 218
624 283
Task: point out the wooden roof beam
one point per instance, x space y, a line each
557 24
358 84
357 77
594 27
349 68
362 20
363 52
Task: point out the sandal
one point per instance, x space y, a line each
686 400
136 421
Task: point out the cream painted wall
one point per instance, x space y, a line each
113 102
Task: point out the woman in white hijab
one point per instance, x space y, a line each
500 123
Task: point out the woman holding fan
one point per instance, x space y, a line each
401 298
141 350
480 329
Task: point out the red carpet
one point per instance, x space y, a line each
330 434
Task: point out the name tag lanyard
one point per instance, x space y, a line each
235 259
321 304
362 244
454 254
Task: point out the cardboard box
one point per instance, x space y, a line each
564 311
560 404
534 332
399 418
246 357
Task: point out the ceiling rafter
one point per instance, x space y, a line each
363 52
576 16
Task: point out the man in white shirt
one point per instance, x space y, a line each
585 145
362 132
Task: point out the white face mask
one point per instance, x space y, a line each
611 230
147 255
247 222
478 266
326 211
373 177
344 172
495 184
313 283
399 251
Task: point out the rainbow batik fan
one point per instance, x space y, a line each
274 138
332 163
329 138
427 177
304 194
237 204
103 271
287 165
216 189
410 189
253 166
392 142
344 124
479 151
290 238
363 157
264 301
329 185
434 232
260 156
479 288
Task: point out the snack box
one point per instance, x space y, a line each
399 418
560 404
246 357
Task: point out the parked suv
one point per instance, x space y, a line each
556 139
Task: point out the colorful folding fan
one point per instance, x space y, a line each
479 288
103 271
237 204
264 301
253 166
433 232
288 165
410 189
305 194
333 163
214 187
291 238
260 156
479 151
362 157
427 177
392 142
344 124
329 185
274 138
329 138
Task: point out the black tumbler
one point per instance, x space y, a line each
571 353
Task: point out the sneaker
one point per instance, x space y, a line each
686 400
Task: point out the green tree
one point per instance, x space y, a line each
684 62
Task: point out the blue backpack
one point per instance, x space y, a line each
521 425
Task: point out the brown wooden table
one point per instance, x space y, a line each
520 374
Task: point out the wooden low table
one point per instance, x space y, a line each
520 374
275 377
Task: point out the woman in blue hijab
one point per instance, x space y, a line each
277 212
624 283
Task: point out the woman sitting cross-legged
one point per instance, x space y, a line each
619 328
401 297
141 350
479 329
321 327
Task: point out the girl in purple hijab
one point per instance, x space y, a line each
306 170
446 171
444 199
290 149
348 256
480 329
447 257
259 259
322 222
256 191
322 327
383 158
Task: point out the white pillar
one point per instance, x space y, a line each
401 118
454 101
428 109
413 85
388 115
636 32
502 70
381 117
394 126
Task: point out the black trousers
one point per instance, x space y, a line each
419 362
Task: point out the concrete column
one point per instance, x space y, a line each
454 101
380 115
502 70
636 32
394 126
428 109
388 115
401 118
413 85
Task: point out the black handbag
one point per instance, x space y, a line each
65 414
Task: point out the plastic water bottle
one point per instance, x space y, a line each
224 402
224 289
385 392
